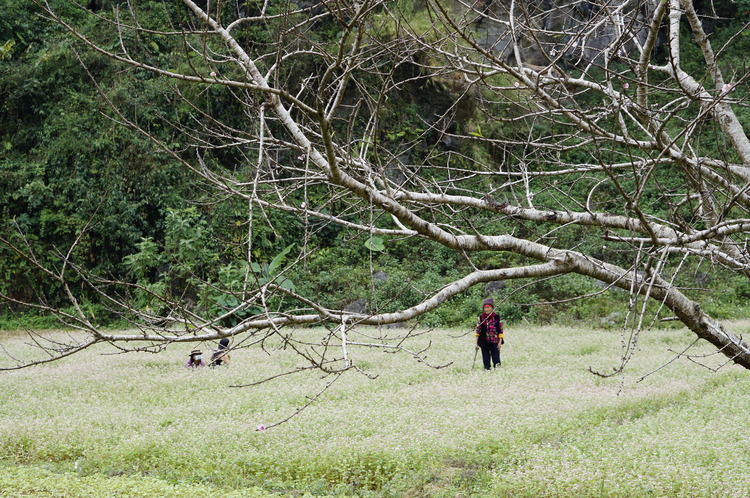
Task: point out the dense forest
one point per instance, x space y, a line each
81 182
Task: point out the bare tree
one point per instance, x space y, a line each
584 130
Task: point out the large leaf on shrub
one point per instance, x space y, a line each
375 244
276 262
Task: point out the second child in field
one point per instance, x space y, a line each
489 334
221 355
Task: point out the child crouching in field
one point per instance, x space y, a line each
195 360
489 334
221 355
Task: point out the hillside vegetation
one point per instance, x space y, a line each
69 170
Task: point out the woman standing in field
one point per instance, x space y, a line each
489 334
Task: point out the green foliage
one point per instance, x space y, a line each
177 268
69 175
31 320
235 280
375 244
190 268
742 292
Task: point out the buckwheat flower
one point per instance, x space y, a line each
553 52
726 88
625 86
304 205
213 74
262 428
516 84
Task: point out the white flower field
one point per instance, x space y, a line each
139 424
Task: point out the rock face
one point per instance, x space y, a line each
359 306
578 33
574 33
494 287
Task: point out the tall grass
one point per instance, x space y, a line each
542 425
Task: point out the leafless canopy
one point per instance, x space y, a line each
622 124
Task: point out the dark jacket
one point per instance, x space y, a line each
483 325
